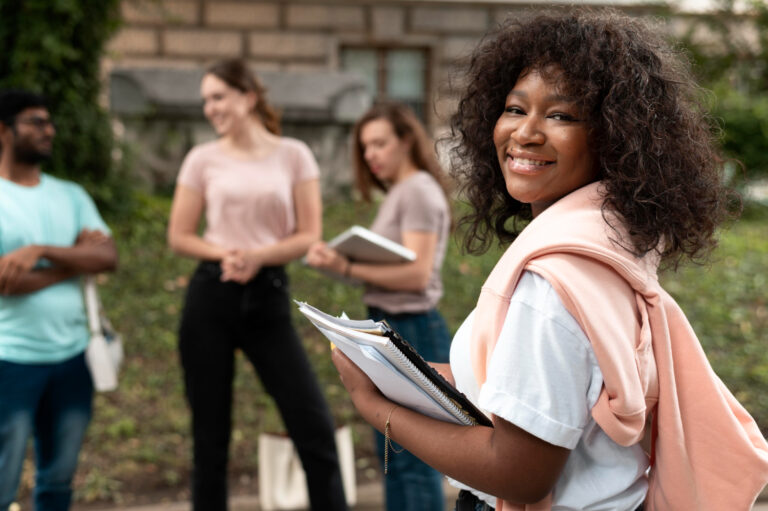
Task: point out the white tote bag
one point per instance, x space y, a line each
105 350
282 481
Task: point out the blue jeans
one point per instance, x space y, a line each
53 403
411 484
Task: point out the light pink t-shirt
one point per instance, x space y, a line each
415 204
248 203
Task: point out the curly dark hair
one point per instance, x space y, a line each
656 153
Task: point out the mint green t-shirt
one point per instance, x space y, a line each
48 325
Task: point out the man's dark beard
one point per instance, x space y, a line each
29 155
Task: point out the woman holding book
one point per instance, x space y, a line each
582 140
392 153
261 199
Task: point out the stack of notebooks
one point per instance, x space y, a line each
396 368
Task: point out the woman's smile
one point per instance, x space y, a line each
541 142
526 164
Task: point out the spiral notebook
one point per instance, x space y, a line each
395 367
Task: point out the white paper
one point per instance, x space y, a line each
391 382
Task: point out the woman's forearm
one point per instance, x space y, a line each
192 245
287 249
478 456
395 277
504 461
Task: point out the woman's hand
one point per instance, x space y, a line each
315 253
366 397
240 266
323 257
444 369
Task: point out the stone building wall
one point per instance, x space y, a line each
296 35
306 36
301 35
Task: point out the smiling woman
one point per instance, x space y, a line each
261 199
581 138
541 142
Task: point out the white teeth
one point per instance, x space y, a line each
526 161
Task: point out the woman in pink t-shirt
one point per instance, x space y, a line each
393 154
260 196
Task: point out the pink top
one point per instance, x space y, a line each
415 204
248 203
708 451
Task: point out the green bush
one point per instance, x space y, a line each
744 120
734 65
54 47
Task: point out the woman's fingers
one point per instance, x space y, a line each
353 378
320 256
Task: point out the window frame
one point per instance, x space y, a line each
380 51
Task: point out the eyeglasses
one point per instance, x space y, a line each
37 122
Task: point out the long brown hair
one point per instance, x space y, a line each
235 73
405 125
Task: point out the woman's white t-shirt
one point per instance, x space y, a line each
544 378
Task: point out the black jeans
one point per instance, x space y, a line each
468 501
220 317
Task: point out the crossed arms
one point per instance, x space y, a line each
92 252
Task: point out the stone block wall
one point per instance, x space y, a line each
308 35
302 34
285 35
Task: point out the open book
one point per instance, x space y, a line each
395 367
360 244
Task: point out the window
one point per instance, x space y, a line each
398 74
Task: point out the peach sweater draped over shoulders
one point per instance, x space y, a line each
708 453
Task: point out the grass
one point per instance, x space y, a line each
138 446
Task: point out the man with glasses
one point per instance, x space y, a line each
50 234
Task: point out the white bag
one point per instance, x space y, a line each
282 481
105 350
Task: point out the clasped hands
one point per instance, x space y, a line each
240 266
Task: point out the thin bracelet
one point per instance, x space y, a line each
388 441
